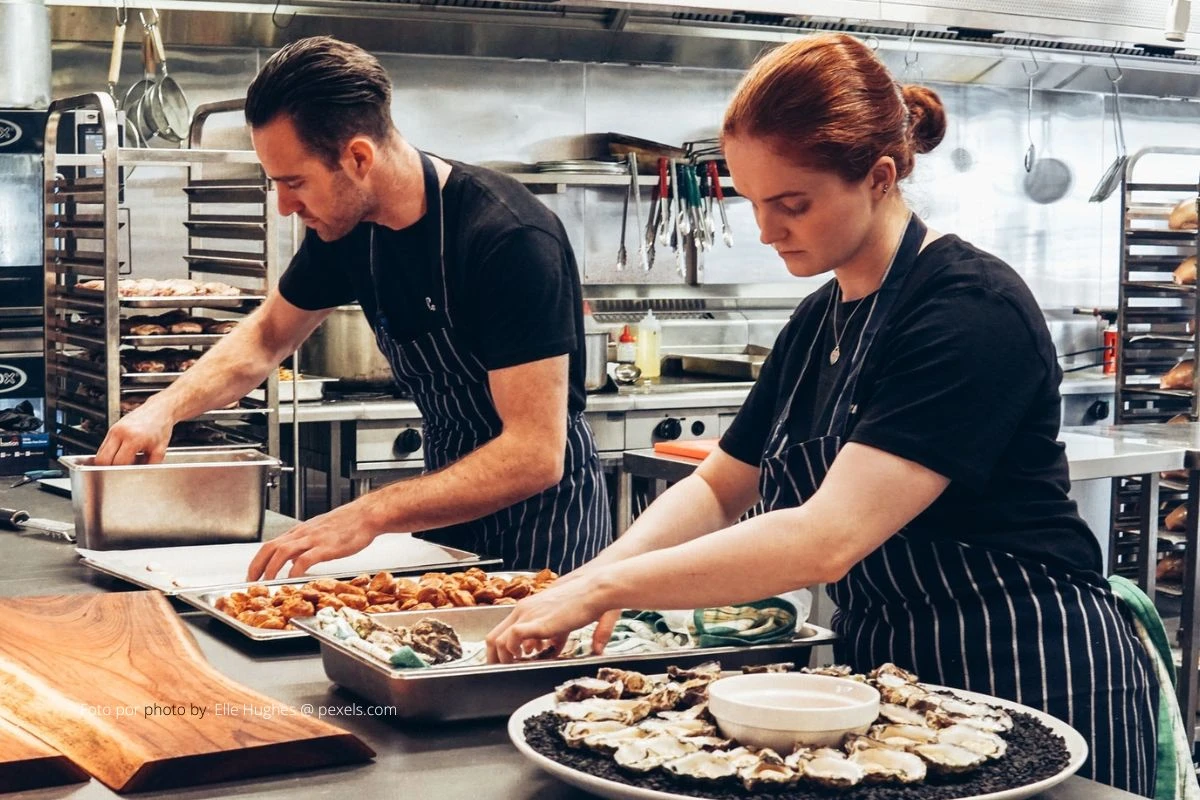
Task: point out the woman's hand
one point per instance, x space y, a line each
547 618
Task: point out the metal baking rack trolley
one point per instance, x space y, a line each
229 237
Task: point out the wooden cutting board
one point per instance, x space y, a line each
116 683
27 763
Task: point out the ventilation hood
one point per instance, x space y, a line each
1077 44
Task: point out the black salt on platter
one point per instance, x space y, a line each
1034 753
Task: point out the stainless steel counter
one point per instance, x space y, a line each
1096 452
472 761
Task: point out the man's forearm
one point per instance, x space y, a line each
495 476
234 366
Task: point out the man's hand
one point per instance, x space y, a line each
341 532
145 430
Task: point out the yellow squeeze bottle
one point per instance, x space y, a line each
648 358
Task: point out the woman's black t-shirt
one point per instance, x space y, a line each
512 280
963 379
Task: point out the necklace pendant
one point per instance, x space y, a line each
835 354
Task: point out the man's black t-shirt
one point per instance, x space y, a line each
963 379
512 281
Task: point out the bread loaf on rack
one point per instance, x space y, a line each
1176 520
1170 567
1185 273
1183 216
1181 376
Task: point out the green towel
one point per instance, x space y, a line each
1175 777
759 622
407 658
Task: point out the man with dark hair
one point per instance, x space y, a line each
472 290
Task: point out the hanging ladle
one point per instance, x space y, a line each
1112 177
1031 153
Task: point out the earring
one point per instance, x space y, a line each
886 186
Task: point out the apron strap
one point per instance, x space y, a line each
436 262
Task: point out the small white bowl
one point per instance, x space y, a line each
782 710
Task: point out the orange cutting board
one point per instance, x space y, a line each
27 763
691 448
93 676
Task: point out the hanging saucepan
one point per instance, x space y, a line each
1112 177
166 104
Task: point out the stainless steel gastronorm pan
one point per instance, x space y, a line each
443 694
196 497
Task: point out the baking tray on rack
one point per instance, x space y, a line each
193 568
167 301
448 693
150 378
173 339
206 600
199 301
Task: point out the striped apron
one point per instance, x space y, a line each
561 527
971 617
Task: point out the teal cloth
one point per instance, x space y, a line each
1175 776
635 632
759 622
407 658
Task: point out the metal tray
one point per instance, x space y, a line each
443 694
206 600
172 339
741 366
190 498
168 301
197 301
213 561
150 378
308 389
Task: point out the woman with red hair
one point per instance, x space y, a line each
902 437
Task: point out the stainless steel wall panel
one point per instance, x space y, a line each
495 110
974 185
483 110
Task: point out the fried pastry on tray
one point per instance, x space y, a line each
379 593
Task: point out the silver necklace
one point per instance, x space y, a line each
836 352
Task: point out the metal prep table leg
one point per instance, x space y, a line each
1189 621
333 478
1148 547
624 500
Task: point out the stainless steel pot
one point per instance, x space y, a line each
24 54
344 347
595 375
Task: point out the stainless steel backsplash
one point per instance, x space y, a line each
495 111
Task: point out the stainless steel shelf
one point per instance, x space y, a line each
226 228
159 157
